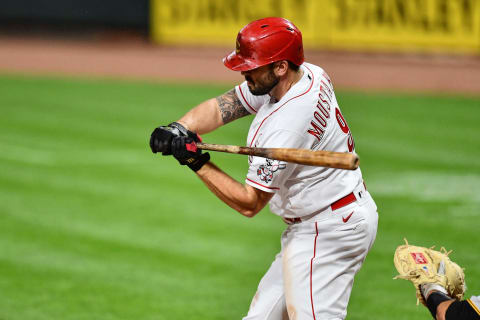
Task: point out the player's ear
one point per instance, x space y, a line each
280 68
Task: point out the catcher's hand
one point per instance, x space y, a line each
421 265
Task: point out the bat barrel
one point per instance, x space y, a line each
339 160
348 161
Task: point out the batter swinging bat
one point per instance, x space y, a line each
348 161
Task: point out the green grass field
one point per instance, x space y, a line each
94 226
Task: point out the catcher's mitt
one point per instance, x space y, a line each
421 265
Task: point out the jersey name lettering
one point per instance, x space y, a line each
319 122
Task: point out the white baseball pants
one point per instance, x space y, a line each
312 276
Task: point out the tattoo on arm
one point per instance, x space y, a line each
230 107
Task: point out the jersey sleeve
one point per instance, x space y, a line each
270 175
249 101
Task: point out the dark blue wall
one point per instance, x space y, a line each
111 13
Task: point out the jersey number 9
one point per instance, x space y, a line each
344 126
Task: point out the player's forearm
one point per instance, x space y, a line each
214 113
204 118
242 198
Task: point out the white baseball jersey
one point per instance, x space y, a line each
306 117
312 276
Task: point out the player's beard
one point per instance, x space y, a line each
263 85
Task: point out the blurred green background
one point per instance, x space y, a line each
94 226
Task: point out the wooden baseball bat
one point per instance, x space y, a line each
339 160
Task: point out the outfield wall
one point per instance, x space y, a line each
445 26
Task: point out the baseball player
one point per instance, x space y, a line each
331 217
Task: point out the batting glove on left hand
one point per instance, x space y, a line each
186 152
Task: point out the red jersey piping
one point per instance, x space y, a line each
241 92
272 188
313 79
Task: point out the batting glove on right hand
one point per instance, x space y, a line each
186 152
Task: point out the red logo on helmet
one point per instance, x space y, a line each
237 48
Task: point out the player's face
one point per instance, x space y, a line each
261 80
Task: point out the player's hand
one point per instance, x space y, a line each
186 152
161 137
161 140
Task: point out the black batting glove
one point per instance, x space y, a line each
161 137
186 152
161 140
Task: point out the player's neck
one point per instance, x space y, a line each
285 84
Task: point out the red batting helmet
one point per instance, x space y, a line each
265 41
